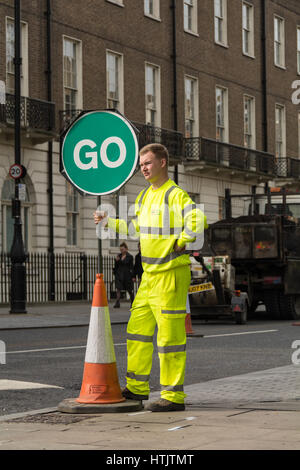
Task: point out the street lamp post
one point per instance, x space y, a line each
17 253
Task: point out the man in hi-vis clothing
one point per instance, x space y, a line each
166 220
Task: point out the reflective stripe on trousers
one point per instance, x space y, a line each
161 301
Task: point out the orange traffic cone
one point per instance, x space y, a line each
188 320
100 383
188 325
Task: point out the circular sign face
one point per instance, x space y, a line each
99 152
16 171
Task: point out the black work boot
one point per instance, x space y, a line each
117 304
165 405
133 396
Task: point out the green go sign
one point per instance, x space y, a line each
99 152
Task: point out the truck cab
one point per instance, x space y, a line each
264 248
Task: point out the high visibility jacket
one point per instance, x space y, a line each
163 216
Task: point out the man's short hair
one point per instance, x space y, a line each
124 244
159 150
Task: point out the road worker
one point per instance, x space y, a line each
166 220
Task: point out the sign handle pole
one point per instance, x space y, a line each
100 260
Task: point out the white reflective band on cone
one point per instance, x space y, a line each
100 351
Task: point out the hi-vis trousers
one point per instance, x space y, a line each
161 300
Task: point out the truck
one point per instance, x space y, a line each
262 253
212 291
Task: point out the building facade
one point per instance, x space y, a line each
212 80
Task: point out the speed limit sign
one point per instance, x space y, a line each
17 171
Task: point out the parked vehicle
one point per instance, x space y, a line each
257 255
212 291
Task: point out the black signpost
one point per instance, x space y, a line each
17 253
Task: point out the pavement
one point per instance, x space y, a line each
253 411
58 315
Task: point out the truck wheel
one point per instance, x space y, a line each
290 306
241 317
272 303
253 307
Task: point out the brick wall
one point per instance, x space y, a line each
102 25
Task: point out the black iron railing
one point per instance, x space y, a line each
229 156
146 134
67 117
74 277
171 139
206 150
35 114
288 168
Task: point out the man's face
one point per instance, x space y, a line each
152 167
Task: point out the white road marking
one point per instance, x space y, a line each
239 333
189 418
179 427
53 349
62 348
45 349
18 385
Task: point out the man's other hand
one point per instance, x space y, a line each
178 249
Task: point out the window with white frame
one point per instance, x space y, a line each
10 55
298 50
279 41
221 114
152 94
114 81
190 16
195 197
72 215
152 8
191 107
249 122
248 29
220 7
7 194
221 207
280 131
72 74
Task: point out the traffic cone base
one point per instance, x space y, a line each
100 389
100 384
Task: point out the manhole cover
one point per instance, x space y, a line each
50 418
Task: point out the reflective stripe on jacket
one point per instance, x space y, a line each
163 216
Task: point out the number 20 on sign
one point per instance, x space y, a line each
16 171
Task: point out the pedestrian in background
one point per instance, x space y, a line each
123 271
166 219
138 267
